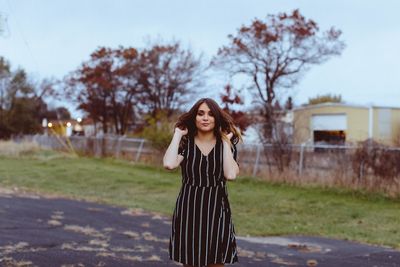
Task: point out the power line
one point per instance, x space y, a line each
24 39
4 29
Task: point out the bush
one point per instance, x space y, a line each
380 160
159 131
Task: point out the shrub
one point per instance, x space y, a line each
158 131
380 160
10 148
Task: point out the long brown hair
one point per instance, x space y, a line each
223 121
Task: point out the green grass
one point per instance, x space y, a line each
259 208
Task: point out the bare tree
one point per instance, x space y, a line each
22 103
169 76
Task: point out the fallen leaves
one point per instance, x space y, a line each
8 261
86 230
305 248
312 263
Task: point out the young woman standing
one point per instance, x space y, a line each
204 145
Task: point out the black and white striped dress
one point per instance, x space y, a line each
202 229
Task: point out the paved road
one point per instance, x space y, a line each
43 231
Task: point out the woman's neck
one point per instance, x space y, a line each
205 136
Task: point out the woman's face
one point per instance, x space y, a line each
205 120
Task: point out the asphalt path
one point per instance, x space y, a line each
51 231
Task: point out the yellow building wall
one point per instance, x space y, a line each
396 126
394 136
377 135
357 122
301 126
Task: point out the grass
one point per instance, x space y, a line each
12 149
259 208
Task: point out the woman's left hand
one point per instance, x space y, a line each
227 137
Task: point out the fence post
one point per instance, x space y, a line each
119 141
139 150
255 168
301 158
361 174
99 146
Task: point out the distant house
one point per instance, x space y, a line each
340 123
62 127
90 128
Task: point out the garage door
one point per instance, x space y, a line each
329 122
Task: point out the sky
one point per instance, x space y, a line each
51 38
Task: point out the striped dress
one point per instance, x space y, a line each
202 229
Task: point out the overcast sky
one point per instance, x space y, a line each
51 38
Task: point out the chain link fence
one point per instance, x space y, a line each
349 166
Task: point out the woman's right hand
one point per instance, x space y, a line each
180 131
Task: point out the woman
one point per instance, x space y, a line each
204 145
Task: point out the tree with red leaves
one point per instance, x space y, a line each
106 87
116 84
228 99
273 54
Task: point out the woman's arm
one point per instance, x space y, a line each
231 168
171 158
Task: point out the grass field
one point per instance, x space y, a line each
259 208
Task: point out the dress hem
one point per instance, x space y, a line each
233 262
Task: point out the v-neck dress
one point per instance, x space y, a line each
202 229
